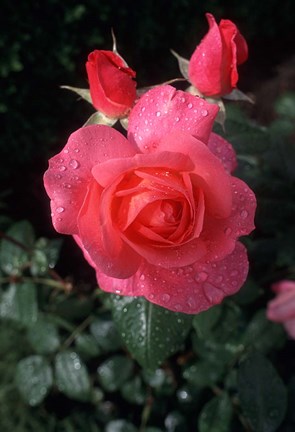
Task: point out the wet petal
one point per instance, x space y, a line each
69 172
163 110
190 289
103 244
224 151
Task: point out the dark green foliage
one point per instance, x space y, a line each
262 393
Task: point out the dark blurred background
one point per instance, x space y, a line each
44 44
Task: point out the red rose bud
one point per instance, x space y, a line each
112 88
213 65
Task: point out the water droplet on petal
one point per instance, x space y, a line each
60 210
219 279
142 277
244 214
158 113
76 150
190 105
74 164
66 151
191 302
166 298
201 277
204 113
213 294
227 231
177 119
62 168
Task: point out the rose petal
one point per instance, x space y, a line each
282 307
116 259
171 256
224 151
228 31
189 289
208 174
283 285
221 234
233 42
163 110
69 172
105 172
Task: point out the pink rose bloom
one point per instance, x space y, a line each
112 85
213 65
158 214
282 308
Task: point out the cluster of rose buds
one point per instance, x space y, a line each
158 213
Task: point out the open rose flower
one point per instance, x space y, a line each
282 308
213 65
157 215
112 85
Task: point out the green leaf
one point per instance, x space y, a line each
216 415
43 336
262 393
106 335
19 303
205 321
285 105
153 429
249 292
114 372
160 380
45 255
224 341
262 334
83 93
87 345
188 396
14 257
120 426
203 373
134 391
33 379
175 422
71 376
73 307
150 332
